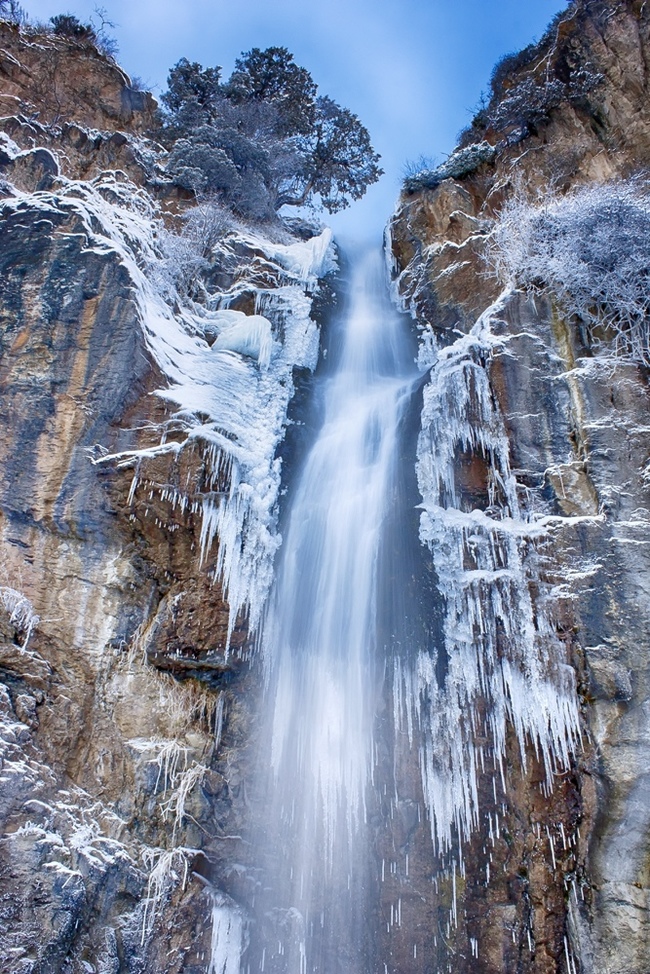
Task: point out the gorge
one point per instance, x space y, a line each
324 581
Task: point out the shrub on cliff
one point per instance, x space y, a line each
461 163
509 65
67 25
187 255
591 248
264 139
96 32
12 11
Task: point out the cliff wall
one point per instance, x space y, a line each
62 79
140 425
572 420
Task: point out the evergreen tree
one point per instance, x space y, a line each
264 139
191 97
273 77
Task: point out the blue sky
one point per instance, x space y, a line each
412 70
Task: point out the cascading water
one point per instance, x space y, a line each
409 636
323 661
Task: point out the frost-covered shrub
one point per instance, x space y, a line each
187 254
461 163
197 166
531 99
527 103
414 167
95 31
592 249
206 224
475 131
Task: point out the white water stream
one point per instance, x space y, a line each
320 641
387 703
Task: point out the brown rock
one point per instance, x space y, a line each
579 442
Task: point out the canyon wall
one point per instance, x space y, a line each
567 421
138 423
150 354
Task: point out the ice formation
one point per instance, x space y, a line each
227 937
250 335
502 662
167 868
231 397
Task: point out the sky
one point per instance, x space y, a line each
412 70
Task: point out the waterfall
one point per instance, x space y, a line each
324 669
397 660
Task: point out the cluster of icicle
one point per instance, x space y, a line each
230 397
505 665
241 388
20 611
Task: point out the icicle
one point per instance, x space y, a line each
523 681
218 721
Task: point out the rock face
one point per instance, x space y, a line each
146 389
63 79
124 697
569 883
